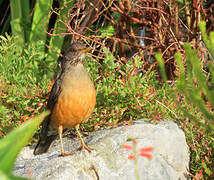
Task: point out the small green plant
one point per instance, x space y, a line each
24 67
12 144
194 87
124 92
24 81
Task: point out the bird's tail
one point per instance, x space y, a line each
46 138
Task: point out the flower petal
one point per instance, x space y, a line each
147 149
126 146
131 157
149 156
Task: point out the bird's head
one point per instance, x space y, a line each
76 53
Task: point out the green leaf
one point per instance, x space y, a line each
40 20
160 60
207 170
20 20
181 82
180 1
16 15
109 31
3 176
26 19
209 41
12 144
193 59
6 25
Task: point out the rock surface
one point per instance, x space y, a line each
108 160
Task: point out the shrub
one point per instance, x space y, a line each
23 81
125 93
194 86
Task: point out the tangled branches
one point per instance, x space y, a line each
136 27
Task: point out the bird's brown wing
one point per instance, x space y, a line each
54 94
48 135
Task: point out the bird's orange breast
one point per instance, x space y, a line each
73 106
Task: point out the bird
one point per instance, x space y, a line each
72 100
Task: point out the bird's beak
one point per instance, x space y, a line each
85 50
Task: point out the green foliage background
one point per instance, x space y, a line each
124 94
196 87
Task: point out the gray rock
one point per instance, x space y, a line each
108 160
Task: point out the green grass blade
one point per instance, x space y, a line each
6 25
193 96
160 60
209 42
211 70
40 19
199 75
26 19
181 81
16 20
196 99
194 62
192 90
4 176
20 19
212 40
11 145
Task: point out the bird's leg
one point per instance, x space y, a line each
82 141
60 130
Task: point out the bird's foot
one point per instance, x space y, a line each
63 154
86 148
